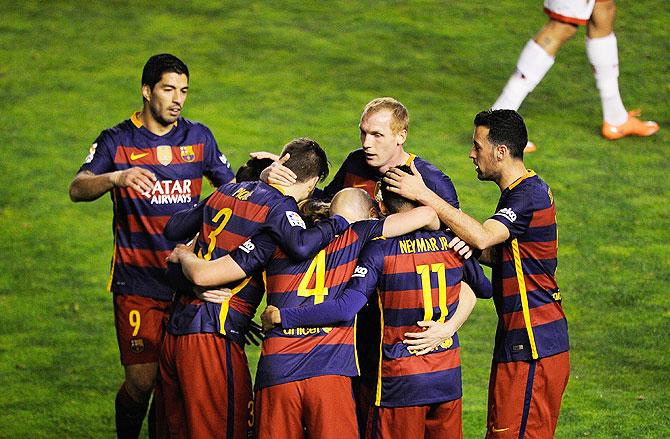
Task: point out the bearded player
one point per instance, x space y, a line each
153 166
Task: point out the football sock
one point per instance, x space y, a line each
531 67
604 58
129 414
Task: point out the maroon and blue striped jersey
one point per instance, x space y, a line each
411 278
355 172
179 159
230 216
531 321
299 353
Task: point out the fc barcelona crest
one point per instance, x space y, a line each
137 345
164 154
187 153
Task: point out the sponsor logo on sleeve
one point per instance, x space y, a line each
295 220
359 271
91 153
507 213
247 246
223 159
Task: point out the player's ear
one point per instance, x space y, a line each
146 92
312 183
383 209
501 151
401 136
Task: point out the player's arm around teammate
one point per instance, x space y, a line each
225 270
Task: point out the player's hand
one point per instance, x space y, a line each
270 318
261 155
213 295
407 185
254 334
460 247
181 251
279 174
137 178
420 343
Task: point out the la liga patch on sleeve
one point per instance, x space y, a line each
294 219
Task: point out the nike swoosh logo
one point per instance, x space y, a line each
134 156
498 430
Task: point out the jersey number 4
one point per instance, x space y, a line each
318 267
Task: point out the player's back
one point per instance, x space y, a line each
420 280
298 353
231 215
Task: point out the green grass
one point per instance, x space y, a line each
263 73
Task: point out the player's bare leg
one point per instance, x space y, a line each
603 54
535 60
133 398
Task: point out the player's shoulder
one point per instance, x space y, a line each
193 125
122 128
355 156
368 229
426 167
534 189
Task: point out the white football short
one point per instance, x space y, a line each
569 11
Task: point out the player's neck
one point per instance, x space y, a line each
398 159
150 123
511 173
296 190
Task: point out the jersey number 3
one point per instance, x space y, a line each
223 216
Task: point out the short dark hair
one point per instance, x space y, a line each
307 159
506 127
313 211
251 171
393 201
159 64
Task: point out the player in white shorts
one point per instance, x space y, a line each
538 55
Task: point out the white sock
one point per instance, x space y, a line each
531 67
604 58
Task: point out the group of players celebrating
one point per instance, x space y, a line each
367 281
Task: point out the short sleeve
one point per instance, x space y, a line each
255 253
100 158
369 229
217 167
515 212
438 182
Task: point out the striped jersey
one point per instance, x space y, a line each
230 216
531 322
355 172
412 278
179 159
294 354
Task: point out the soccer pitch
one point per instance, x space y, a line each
263 73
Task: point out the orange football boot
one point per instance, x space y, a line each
530 147
632 127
